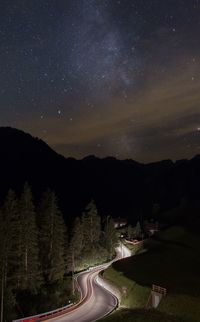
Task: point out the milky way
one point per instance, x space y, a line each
103 77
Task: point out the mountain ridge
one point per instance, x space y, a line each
123 188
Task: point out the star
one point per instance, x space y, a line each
108 69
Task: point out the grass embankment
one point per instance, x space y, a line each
140 315
172 261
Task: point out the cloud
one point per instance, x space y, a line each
162 108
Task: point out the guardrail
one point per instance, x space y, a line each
40 317
159 289
56 312
59 311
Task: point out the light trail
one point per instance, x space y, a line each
98 298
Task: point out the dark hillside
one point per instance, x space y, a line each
120 188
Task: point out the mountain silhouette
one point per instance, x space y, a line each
120 188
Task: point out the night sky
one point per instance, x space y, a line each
103 77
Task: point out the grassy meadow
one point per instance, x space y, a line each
172 261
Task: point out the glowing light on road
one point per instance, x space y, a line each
86 285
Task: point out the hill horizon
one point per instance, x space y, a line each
120 188
11 128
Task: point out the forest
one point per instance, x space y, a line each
39 254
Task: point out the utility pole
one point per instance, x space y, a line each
2 293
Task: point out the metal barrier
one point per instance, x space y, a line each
38 317
43 316
159 289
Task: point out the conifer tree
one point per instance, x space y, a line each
8 252
130 231
8 234
76 245
138 230
91 226
52 237
110 237
30 276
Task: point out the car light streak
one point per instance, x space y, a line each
97 299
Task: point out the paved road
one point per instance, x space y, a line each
96 301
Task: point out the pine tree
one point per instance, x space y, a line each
76 245
30 276
130 231
52 238
8 233
138 230
110 237
8 251
92 252
91 226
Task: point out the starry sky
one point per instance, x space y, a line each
105 77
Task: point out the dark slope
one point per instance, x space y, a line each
24 158
120 188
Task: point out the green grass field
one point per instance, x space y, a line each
140 315
172 261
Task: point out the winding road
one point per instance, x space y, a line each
96 300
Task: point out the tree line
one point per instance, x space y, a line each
39 255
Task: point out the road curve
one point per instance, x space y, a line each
96 301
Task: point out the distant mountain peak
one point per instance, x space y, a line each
17 141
